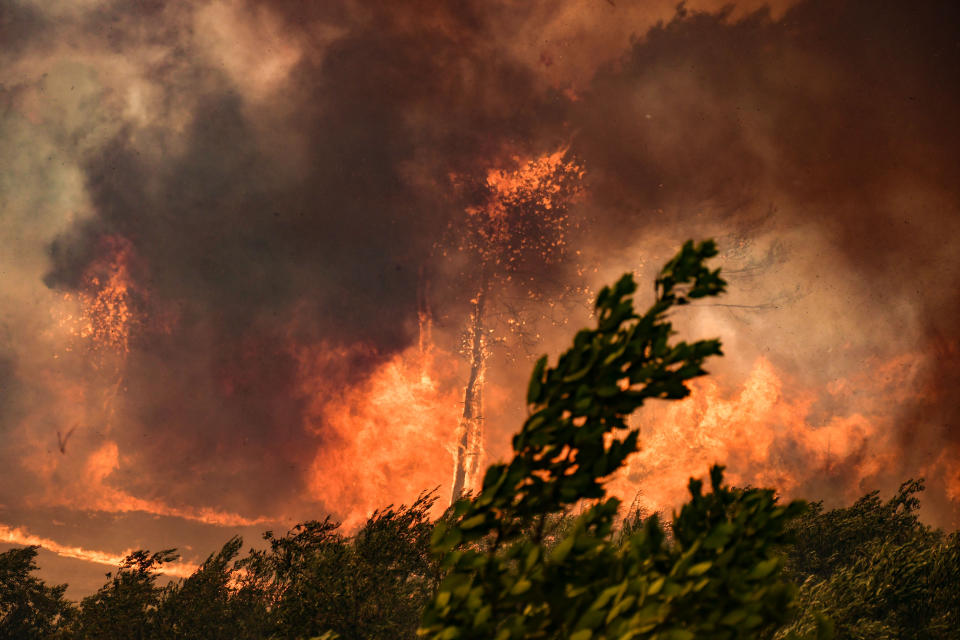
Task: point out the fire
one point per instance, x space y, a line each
525 214
106 315
543 178
20 536
91 489
765 436
520 227
949 462
385 439
109 311
112 500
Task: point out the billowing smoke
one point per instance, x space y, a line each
261 223
826 139
229 226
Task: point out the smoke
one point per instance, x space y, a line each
264 222
282 179
825 135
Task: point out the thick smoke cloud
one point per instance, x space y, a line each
253 255
829 106
281 173
833 125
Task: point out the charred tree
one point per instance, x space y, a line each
470 443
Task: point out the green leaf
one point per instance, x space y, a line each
474 521
520 587
764 569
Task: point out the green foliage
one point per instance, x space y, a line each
125 607
371 585
28 607
312 582
877 571
828 540
206 605
719 576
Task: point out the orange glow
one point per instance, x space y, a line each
763 436
526 211
112 500
385 439
20 536
102 328
93 491
950 461
539 176
105 303
100 496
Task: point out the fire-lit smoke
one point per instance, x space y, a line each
99 321
228 225
19 536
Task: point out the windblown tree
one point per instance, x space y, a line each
29 608
719 575
519 227
372 585
127 606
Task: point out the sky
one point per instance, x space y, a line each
238 254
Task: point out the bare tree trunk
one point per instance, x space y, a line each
470 445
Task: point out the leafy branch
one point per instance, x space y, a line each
717 579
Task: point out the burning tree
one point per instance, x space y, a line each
519 226
717 576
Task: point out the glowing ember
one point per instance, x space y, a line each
106 314
522 226
524 218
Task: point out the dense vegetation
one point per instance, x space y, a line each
512 562
876 570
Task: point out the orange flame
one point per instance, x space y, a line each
90 489
542 177
764 436
106 318
386 439
103 497
502 229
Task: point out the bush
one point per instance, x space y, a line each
876 570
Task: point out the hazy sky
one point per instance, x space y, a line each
226 223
